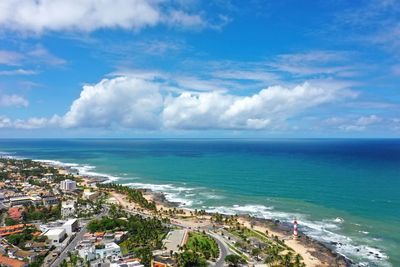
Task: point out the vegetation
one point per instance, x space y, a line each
144 234
202 244
234 260
21 238
42 213
133 195
274 251
9 221
74 260
198 250
38 261
190 259
87 208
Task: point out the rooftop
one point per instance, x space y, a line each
70 222
6 261
55 231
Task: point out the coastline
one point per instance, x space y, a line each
314 252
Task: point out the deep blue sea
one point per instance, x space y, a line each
344 191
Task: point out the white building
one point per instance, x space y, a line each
68 209
56 235
89 195
71 226
68 185
87 253
111 250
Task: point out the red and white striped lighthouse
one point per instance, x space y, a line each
295 232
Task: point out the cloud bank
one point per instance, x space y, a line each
149 102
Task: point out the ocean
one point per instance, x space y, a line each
344 192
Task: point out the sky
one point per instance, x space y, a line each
192 68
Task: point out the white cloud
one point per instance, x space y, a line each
367 120
13 101
35 55
268 108
31 123
147 102
17 72
315 63
5 122
250 75
351 124
178 18
88 15
121 101
42 55
9 57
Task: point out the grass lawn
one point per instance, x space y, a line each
203 244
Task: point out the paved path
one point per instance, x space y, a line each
223 249
70 247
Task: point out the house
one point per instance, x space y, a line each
118 236
9 262
87 253
24 254
110 250
50 200
56 235
68 209
14 229
20 200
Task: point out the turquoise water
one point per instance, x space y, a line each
345 191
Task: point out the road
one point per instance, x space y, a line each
223 250
71 246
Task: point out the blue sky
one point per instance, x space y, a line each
176 68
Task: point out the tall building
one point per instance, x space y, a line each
68 185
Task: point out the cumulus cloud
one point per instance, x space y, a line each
142 102
88 15
13 101
266 109
122 101
148 102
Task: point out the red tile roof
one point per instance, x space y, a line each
6 261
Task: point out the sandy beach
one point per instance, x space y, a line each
314 253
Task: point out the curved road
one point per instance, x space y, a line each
223 250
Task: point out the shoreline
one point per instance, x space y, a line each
316 252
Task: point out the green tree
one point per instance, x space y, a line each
234 260
190 259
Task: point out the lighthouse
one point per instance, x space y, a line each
295 231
